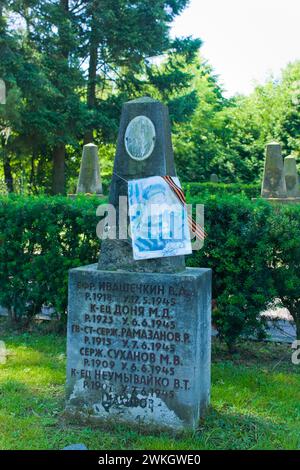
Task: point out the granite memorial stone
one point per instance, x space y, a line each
138 114
89 181
139 332
291 177
273 185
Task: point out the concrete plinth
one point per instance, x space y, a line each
139 346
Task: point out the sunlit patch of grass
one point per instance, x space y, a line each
255 402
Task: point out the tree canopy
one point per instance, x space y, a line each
69 65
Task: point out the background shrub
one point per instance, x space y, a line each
207 189
284 226
237 249
252 247
41 238
221 189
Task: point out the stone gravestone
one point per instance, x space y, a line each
273 185
291 177
139 332
3 352
2 92
214 178
89 181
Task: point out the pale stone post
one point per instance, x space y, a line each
291 176
214 178
89 181
273 185
2 92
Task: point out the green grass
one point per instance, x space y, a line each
255 401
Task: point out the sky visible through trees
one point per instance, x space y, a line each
245 41
69 65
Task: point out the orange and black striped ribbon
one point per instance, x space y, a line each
195 228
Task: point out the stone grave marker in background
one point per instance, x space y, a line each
3 352
291 177
214 178
2 92
273 185
89 181
139 332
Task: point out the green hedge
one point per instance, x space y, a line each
237 249
41 238
252 247
221 189
206 189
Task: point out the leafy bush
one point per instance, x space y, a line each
206 189
238 250
41 238
284 226
252 247
220 189
105 185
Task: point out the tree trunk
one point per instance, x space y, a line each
58 181
297 321
2 20
92 77
12 316
294 309
59 152
32 172
64 5
8 172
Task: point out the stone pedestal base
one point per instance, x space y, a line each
139 346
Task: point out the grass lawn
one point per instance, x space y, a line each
255 401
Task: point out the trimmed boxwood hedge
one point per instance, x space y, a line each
206 188
221 189
41 238
252 247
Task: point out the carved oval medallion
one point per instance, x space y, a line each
140 138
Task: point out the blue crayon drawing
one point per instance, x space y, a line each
158 220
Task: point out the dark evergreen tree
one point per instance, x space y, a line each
75 61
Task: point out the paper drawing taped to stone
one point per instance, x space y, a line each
158 219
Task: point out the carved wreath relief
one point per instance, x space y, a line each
140 138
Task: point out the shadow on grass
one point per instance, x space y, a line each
255 403
37 419
254 353
220 430
20 400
